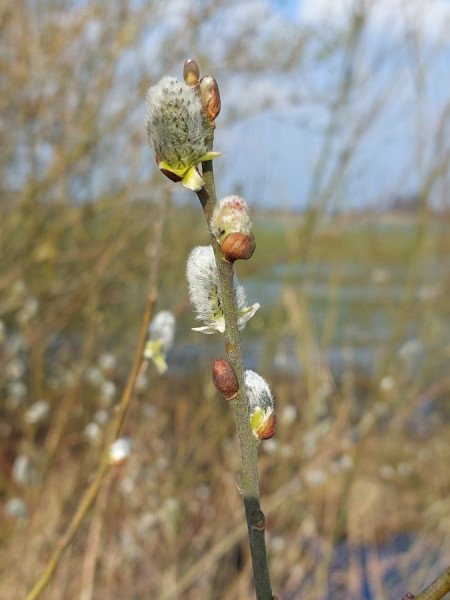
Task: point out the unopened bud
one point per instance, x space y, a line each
231 214
260 405
224 378
258 520
210 97
238 246
231 225
266 430
191 72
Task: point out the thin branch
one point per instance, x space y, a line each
249 476
438 589
94 538
104 466
119 419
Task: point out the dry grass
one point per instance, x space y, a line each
354 485
353 333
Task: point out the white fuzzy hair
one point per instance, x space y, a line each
204 291
177 128
162 328
231 214
258 392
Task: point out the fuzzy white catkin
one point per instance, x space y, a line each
203 283
37 412
16 508
177 128
162 329
231 215
120 449
204 292
258 392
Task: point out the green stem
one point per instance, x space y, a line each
247 444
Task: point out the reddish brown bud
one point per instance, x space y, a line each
224 378
237 246
191 72
267 428
210 97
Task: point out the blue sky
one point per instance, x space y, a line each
280 66
283 133
271 155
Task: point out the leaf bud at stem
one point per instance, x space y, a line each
266 430
210 97
224 378
258 520
237 246
191 72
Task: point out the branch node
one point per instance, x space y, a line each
258 520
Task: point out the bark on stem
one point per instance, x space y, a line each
438 589
247 444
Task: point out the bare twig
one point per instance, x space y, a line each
438 589
104 465
93 544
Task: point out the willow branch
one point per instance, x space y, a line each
438 589
247 444
104 466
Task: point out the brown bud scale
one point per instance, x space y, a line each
210 97
266 430
191 72
224 378
172 176
237 246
